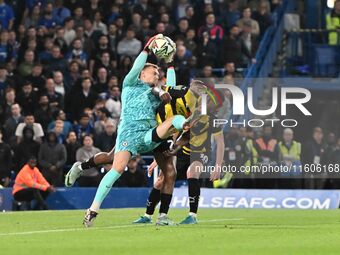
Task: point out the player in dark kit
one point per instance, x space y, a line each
193 154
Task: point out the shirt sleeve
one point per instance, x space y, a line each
171 77
132 77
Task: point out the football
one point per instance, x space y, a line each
163 47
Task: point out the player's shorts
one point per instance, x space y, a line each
136 137
165 145
184 161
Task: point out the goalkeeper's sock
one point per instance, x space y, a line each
153 200
104 188
165 203
194 194
89 163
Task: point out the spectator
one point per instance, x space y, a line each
7 52
43 114
33 17
313 152
84 98
98 25
84 128
78 17
101 85
52 158
5 162
60 11
60 115
12 123
60 40
230 70
232 47
129 45
105 61
7 16
25 68
69 34
146 30
106 140
77 53
31 185
231 15
72 145
133 176
246 18
190 16
55 98
91 177
37 129
27 98
189 41
48 20
58 79
249 44
267 147
207 51
289 150
103 115
169 28
57 61
214 31
58 130
5 107
97 53
113 103
26 148
332 23
262 16
37 79
330 147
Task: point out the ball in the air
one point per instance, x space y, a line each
162 47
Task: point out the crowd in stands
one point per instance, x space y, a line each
62 64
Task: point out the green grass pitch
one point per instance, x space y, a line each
220 231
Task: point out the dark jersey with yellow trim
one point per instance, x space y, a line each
182 103
200 135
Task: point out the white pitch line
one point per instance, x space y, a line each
98 228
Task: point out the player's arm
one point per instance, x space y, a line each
171 76
138 65
219 140
132 76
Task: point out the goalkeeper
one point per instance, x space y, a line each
137 131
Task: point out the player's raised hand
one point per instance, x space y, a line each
151 167
148 45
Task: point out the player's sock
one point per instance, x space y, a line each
104 188
89 163
153 200
194 194
165 203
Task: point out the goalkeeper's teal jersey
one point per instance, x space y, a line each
138 101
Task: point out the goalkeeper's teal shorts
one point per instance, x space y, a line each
136 136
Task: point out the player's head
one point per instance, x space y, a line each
150 74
